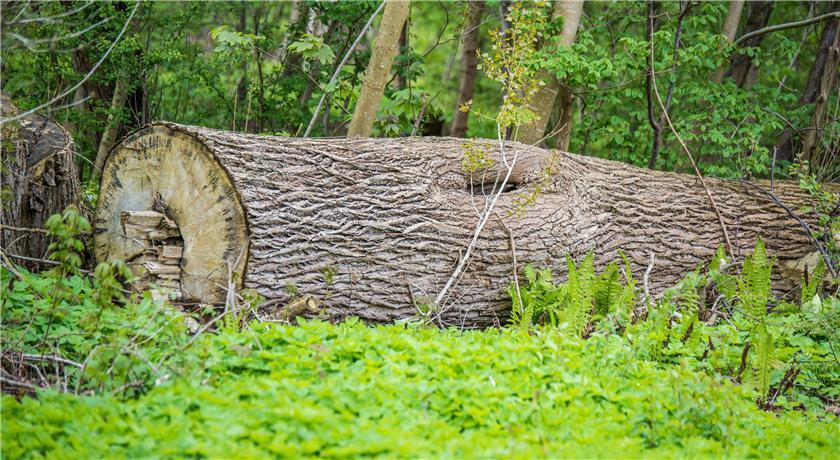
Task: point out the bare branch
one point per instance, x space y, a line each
789 25
31 44
51 19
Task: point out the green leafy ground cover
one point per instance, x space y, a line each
353 390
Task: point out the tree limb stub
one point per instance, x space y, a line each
368 227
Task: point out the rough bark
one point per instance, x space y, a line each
543 102
729 30
374 228
469 67
379 68
742 70
38 177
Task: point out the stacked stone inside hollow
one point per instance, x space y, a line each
160 262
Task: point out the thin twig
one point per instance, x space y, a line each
814 242
693 163
84 79
23 229
55 359
18 383
646 277
513 256
339 67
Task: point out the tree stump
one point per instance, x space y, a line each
374 227
39 179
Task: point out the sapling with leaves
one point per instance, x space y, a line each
511 64
76 332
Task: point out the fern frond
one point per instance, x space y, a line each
761 363
579 305
720 260
607 290
754 284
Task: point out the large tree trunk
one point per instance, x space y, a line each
469 67
543 102
379 68
374 227
39 178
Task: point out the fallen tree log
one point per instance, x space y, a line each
39 178
374 227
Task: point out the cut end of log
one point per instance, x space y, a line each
169 208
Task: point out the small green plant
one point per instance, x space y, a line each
329 273
67 248
292 290
586 299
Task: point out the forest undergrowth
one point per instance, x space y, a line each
587 367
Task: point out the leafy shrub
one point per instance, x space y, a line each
786 353
584 301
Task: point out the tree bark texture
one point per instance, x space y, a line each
39 178
543 102
379 68
374 227
469 66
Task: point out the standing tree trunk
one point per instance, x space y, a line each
829 54
112 129
379 68
742 70
374 227
789 143
730 28
39 178
469 66
298 20
543 102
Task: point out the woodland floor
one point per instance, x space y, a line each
352 390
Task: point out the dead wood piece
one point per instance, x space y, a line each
160 249
38 178
359 224
302 306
